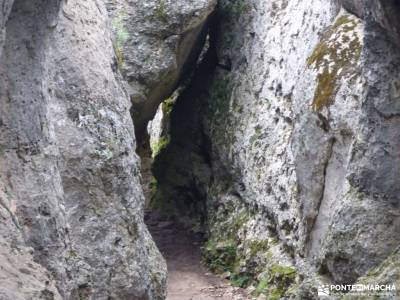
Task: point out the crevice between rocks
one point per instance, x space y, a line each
164 158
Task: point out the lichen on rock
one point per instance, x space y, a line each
336 58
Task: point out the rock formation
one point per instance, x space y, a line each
283 144
293 149
70 193
156 43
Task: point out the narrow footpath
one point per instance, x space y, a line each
187 278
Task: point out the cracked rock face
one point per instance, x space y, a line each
287 138
71 203
70 195
306 126
300 125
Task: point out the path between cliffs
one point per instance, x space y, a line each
187 278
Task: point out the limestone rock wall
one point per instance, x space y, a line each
20 278
285 144
71 200
157 42
4 12
70 192
306 127
300 130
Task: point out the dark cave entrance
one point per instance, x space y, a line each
174 151
176 173
178 213
174 163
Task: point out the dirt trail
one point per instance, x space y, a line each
187 278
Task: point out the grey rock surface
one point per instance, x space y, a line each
71 199
300 127
5 9
386 13
284 145
165 41
20 277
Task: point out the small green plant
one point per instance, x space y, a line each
277 282
258 246
119 55
241 280
153 186
167 105
237 8
161 11
72 253
161 144
262 287
122 35
220 257
280 278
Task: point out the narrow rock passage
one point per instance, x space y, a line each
187 278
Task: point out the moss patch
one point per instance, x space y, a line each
161 144
276 282
220 257
258 246
161 11
121 36
167 106
245 260
221 253
119 55
335 56
235 8
223 257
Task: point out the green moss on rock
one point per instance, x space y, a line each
161 11
258 246
119 55
121 36
245 260
158 146
277 280
220 257
335 56
167 106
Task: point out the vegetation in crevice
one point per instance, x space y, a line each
276 281
161 11
181 166
182 172
246 260
121 36
119 55
162 143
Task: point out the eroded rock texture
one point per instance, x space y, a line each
71 201
156 42
70 193
299 127
284 144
